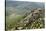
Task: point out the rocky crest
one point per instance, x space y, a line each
32 20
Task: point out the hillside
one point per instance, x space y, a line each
22 15
35 20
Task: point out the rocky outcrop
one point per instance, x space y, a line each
33 20
35 14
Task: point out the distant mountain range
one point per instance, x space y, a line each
20 7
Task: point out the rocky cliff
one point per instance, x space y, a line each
33 20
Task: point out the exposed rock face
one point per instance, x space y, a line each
33 16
